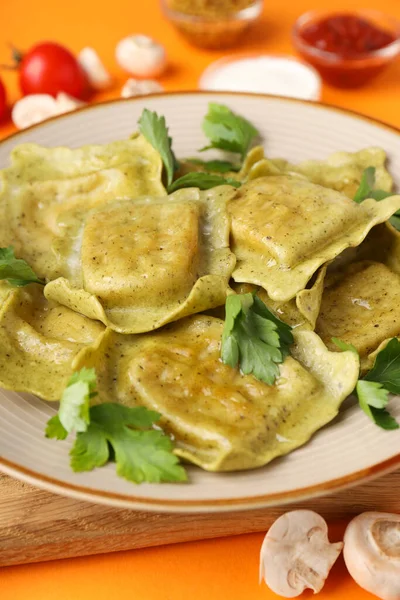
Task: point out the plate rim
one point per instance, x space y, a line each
212 505
119 500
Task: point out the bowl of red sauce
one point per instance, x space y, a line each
348 48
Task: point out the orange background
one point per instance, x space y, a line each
210 570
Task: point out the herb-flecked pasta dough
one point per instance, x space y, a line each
138 265
222 420
285 228
43 185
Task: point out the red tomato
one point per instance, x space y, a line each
3 100
49 68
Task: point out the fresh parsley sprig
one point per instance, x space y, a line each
227 130
384 378
254 338
216 166
154 128
15 270
113 431
367 189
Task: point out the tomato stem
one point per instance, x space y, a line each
16 54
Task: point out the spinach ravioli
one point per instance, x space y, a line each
41 343
43 185
137 265
284 228
220 419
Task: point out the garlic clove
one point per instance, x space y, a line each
96 73
296 554
33 109
141 56
372 553
66 103
141 87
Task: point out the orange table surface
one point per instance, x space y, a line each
209 570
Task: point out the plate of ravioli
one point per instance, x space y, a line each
199 302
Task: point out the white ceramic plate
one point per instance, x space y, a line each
347 451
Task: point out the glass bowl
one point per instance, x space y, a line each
214 32
339 70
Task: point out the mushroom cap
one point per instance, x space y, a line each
372 553
296 554
141 56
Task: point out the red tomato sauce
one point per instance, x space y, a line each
347 36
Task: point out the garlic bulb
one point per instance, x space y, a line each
98 76
141 87
33 109
142 56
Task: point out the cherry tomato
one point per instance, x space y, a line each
49 68
3 100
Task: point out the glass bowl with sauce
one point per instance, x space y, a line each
213 24
348 48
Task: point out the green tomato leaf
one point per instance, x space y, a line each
153 127
254 338
15 270
203 181
227 131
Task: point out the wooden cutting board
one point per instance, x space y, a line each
37 526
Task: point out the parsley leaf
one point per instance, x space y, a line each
254 338
395 221
373 391
75 401
140 454
344 346
15 270
217 166
204 181
55 430
153 127
373 399
366 187
386 369
113 432
227 131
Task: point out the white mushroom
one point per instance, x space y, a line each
66 103
296 554
140 87
96 73
142 56
32 109
372 553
